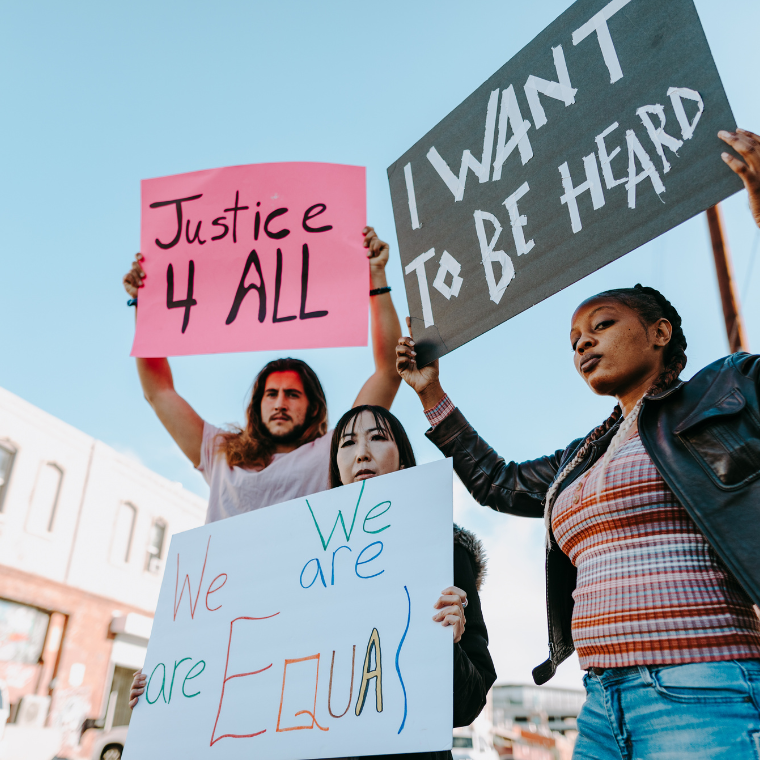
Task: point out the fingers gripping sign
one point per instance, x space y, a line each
423 380
450 608
378 250
133 279
747 145
138 686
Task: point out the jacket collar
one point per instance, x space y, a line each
667 392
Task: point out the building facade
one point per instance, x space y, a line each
535 722
84 531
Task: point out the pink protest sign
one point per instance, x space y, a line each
251 258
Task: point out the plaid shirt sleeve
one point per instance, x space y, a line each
440 411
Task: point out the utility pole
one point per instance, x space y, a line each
737 337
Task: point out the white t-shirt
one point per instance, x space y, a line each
288 476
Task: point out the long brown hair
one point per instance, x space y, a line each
384 420
252 447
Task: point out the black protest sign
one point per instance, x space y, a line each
598 136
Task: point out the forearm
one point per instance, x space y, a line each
517 488
176 415
470 688
386 328
474 671
155 378
382 386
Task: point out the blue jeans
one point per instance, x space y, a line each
698 711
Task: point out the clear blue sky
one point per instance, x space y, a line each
97 96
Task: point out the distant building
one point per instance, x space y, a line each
535 722
84 532
556 709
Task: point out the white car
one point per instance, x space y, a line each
471 745
109 745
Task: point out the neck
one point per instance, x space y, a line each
630 397
285 448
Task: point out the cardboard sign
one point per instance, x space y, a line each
251 258
598 136
304 630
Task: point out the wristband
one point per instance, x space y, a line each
380 291
132 302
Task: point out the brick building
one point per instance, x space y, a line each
83 534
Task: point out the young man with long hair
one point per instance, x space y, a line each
282 451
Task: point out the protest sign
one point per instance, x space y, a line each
250 258
304 630
598 136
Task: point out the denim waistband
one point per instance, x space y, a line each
610 675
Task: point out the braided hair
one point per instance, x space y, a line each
650 305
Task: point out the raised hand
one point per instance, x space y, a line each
450 608
424 380
378 250
747 145
133 279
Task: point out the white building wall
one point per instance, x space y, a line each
96 480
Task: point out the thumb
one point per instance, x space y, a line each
409 327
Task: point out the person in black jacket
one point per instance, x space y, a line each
369 441
653 537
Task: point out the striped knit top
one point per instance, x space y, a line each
650 588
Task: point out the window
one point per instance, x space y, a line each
47 489
7 455
155 546
123 532
22 632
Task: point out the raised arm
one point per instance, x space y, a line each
181 421
516 488
382 386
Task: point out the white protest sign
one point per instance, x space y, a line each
304 630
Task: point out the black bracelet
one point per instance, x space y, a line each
380 291
132 302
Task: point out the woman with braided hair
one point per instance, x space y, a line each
652 530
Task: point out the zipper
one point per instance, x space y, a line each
586 465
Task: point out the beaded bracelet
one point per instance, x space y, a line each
380 291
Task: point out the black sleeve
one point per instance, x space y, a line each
517 488
474 673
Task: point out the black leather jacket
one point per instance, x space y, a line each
704 438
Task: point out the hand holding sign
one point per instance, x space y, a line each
747 145
134 279
378 250
423 380
450 608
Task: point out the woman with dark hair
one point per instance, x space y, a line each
369 441
653 538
